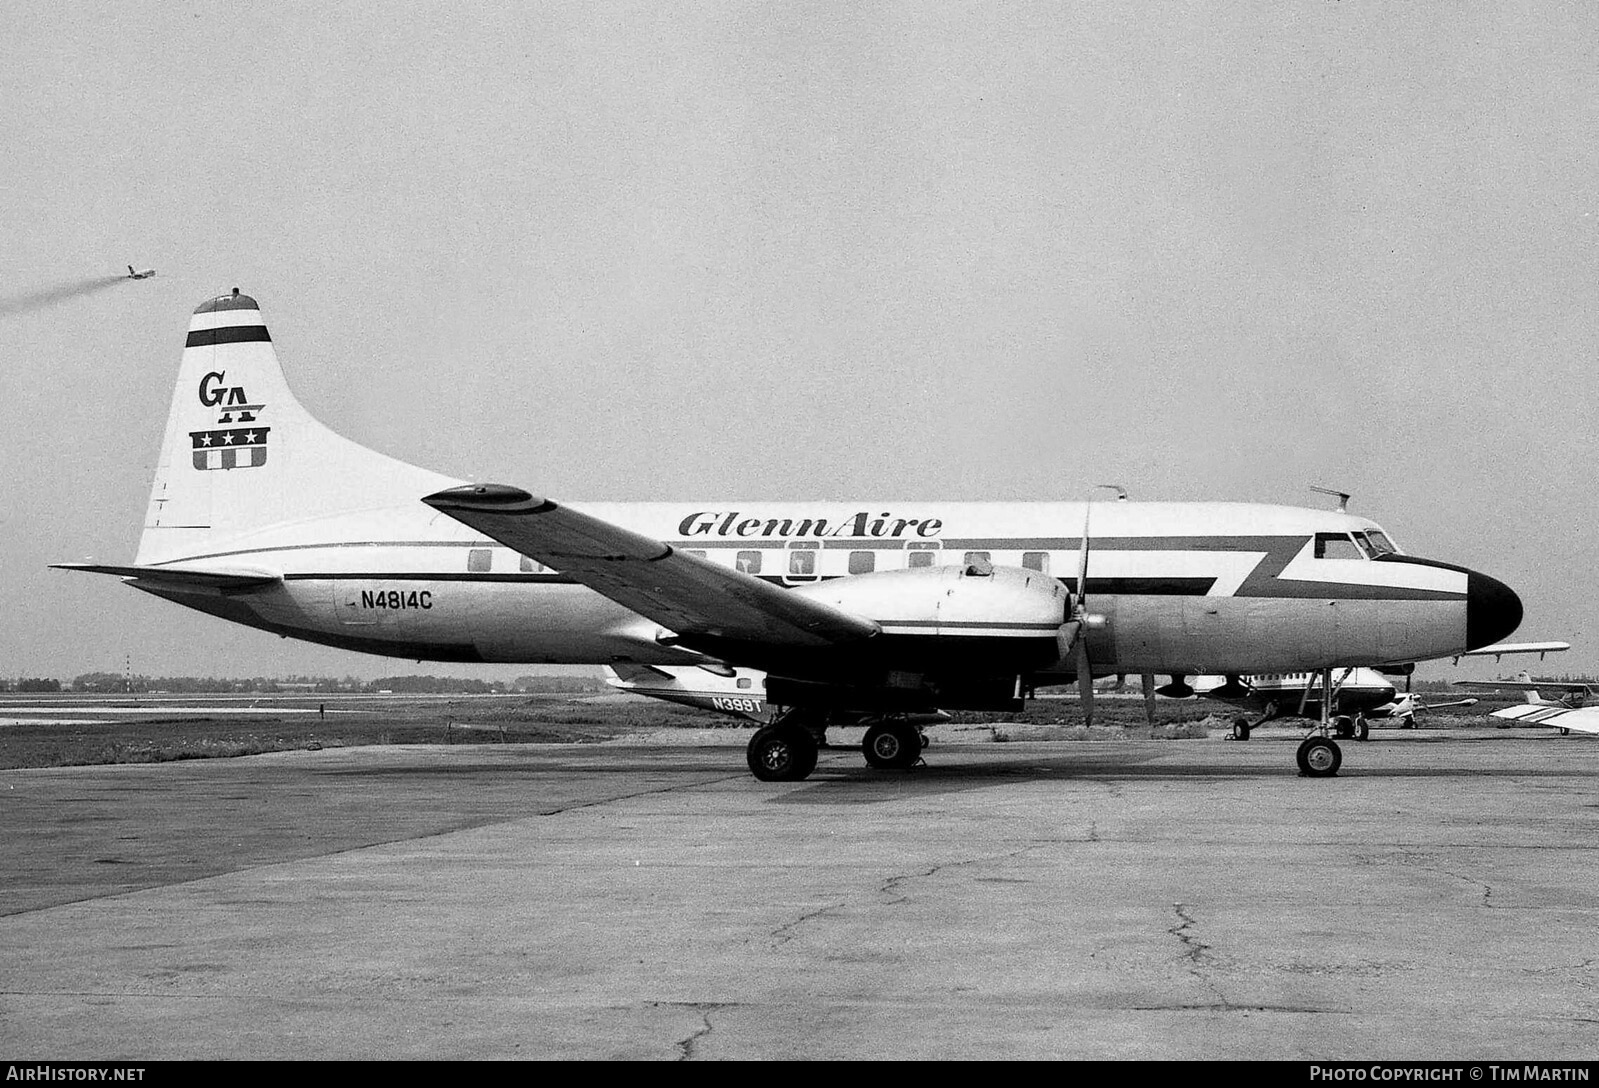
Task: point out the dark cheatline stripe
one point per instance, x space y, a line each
234 334
545 578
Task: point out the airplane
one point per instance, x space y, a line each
1359 694
1572 710
895 609
146 274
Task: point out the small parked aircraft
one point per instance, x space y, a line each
146 274
1573 710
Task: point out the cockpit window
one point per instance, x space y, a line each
1380 544
1337 546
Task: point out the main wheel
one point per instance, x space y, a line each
1344 726
1241 729
779 753
892 746
1362 728
1319 757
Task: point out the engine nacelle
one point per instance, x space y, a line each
977 617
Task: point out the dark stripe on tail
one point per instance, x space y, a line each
233 334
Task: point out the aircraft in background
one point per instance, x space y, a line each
146 274
261 515
1573 710
1360 695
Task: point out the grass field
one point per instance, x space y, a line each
64 730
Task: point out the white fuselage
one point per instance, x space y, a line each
1184 587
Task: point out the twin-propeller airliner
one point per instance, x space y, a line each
883 611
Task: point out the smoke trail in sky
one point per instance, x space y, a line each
52 296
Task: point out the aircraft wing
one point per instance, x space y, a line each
682 592
1496 652
178 577
1522 685
1582 719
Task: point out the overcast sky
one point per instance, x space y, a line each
921 251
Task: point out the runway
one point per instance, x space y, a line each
634 900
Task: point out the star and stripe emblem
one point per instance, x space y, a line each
233 447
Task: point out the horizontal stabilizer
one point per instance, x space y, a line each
688 595
630 672
178 577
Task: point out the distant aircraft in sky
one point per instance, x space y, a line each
261 515
146 274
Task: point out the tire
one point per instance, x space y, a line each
781 754
1362 729
1343 726
1319 757
892 746
1241 729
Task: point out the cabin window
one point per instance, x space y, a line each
479 560
920 559
530 566
1337 546
1038 561
1380 544
749 562
802 563
862 562
744 681
975 557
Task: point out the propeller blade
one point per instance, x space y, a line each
1082 563
1066 638
1085 681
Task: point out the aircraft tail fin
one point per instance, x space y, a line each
242 455
1532 694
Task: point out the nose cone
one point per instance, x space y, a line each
1493 610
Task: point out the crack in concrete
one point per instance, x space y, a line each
889 888
785 932
1197 952
686 1046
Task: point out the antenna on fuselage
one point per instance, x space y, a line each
1343 497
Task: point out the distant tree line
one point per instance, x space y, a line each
116 683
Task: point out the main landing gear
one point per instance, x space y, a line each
893 745
786 750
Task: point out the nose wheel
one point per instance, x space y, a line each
1319 757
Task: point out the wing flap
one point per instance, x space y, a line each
689 595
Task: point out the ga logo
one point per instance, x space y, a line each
228 447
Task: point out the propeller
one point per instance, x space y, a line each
1072 637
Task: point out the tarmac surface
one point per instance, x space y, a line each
650 900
